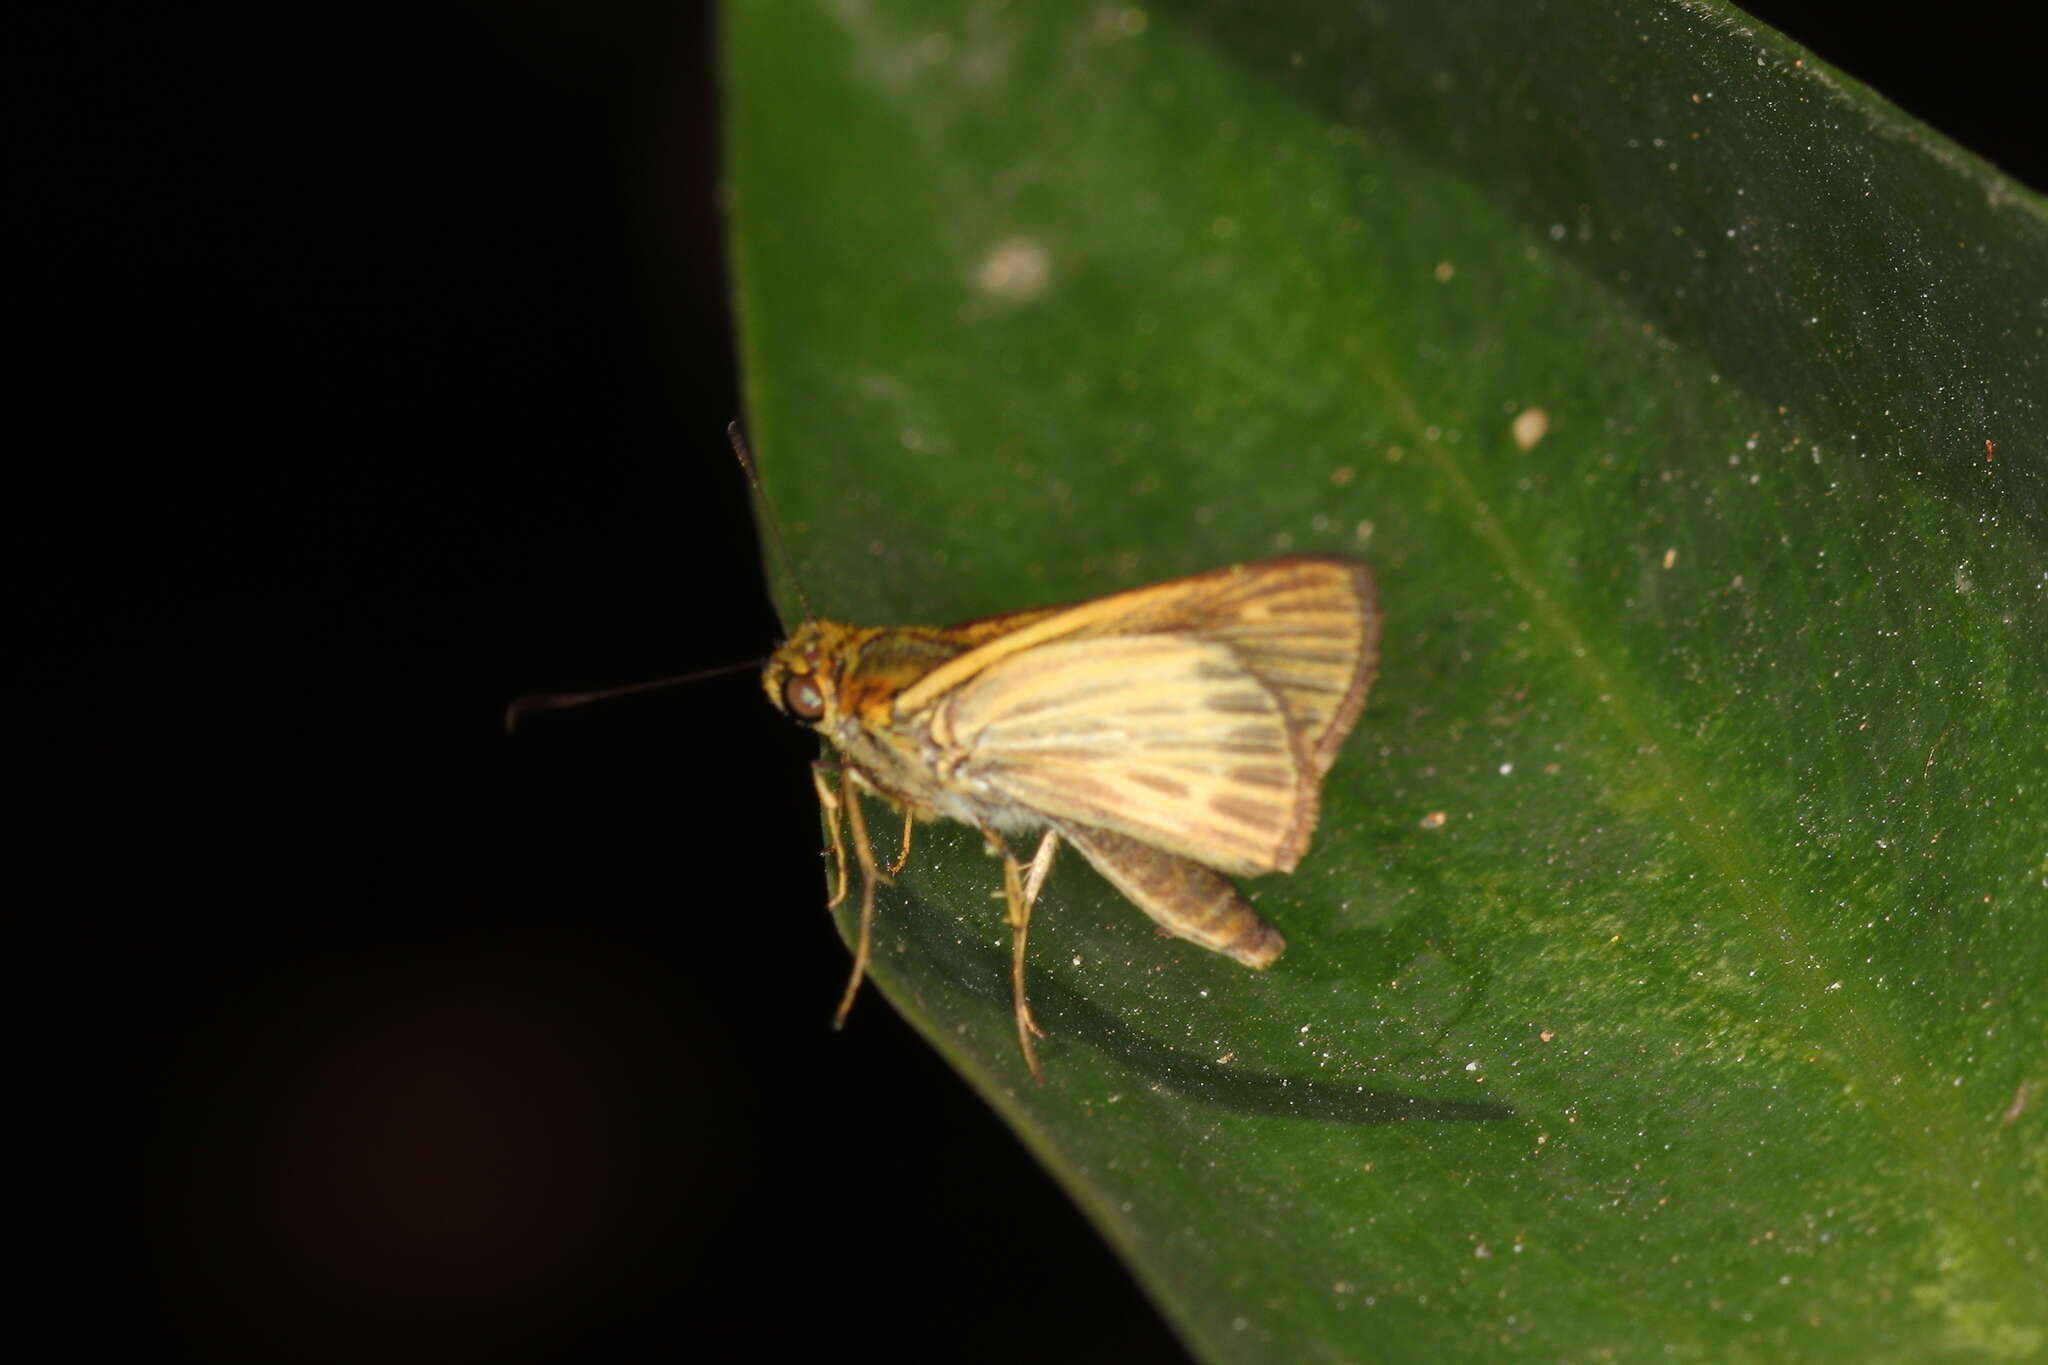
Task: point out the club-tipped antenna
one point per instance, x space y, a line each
767 515
521 707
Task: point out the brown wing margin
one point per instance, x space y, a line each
1309 628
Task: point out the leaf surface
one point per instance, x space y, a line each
1669 975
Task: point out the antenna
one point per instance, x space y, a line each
739 448
562 701
521 707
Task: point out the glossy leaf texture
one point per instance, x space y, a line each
1669 976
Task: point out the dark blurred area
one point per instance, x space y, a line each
378 368
380 371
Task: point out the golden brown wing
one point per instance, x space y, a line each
1166 738
1307 627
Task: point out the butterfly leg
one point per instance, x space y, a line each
1041 865
828 801
903 858
1020 890
870 875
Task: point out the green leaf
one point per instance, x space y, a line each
1669 977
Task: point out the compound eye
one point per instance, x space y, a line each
803 698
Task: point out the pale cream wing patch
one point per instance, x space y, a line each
1166 738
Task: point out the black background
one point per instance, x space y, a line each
378 366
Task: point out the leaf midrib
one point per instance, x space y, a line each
1865 1049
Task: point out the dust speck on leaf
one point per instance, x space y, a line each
1016 269
2018 1105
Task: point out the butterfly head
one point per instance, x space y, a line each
802 677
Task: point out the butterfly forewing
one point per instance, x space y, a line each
1166 738
1309 629
1198 715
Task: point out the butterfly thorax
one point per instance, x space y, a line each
844 682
